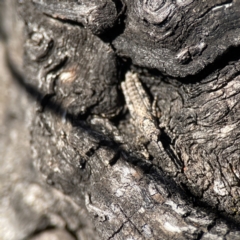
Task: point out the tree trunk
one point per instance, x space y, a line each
95 170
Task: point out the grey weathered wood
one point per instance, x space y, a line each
82 139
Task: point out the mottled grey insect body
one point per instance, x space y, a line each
144 117
140 107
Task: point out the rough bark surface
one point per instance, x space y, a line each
83 142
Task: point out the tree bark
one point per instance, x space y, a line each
95 162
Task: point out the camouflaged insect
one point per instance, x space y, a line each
140 107
141 110
144 118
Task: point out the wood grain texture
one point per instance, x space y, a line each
83 141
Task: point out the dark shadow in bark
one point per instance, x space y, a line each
232 55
